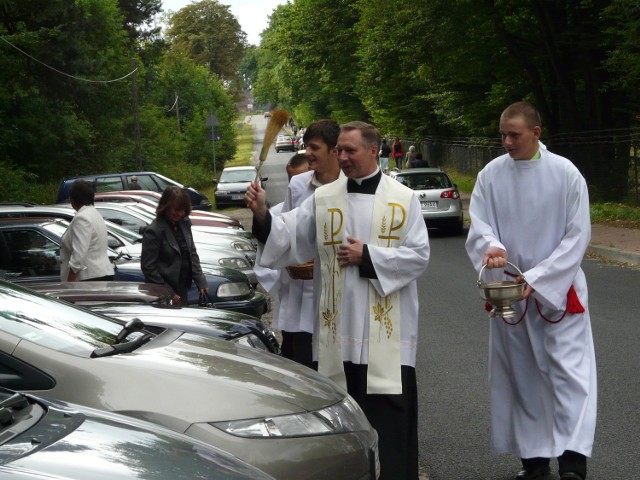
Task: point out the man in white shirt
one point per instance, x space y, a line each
531 207
296 316
370 244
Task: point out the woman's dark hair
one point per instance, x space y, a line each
173 197
81 192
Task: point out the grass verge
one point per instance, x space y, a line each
242 157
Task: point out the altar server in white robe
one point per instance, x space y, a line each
297 323
292 299
370 245
530 208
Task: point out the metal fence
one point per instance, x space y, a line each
594 153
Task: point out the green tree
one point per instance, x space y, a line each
307 60
209 34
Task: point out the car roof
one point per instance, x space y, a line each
231 169
419 170
12 221
99 291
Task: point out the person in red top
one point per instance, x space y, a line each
397 152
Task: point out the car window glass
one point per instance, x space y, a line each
53 324
108 184
124 219
232 176
145 210
123 232
146 182
30 254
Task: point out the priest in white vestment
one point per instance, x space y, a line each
370 244
530 208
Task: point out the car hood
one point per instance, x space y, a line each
179 380
72 442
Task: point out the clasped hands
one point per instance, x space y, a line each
351 253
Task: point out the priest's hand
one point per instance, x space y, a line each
350 254
256 200
495 257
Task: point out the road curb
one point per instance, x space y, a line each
615 255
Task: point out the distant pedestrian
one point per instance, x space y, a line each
133 183
397 152
418 162
383 155
410 156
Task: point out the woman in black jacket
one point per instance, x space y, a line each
169 256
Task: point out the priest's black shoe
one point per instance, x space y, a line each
571 476
542 472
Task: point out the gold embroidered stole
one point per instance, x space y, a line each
389 223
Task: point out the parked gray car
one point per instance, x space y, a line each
438 195
49 439
127 301
270 412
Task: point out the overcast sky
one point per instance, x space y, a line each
251 14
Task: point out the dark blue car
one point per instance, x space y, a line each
123 181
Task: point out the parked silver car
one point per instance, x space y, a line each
270 412
438 195
49 439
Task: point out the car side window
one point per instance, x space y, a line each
146 182
31 254
109 184
123 219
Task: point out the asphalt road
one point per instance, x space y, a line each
452 362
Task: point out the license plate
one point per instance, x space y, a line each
237 197
429 204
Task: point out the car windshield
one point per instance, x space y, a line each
53 324
425 181
123 232
233 176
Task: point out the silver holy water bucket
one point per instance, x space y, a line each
501 294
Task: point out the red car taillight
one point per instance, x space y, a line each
452 194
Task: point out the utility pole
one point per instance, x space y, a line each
178 112
213 122
136 116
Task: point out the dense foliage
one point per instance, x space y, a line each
91 86
445 69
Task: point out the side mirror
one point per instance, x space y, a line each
214 181
264 179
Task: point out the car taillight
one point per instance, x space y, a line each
452 194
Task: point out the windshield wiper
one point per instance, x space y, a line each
16 401
131 326
122 347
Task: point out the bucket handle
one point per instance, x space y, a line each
484 266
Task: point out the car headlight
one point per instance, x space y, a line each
342 417
221 192
244 246
252 341
234 262
233 289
